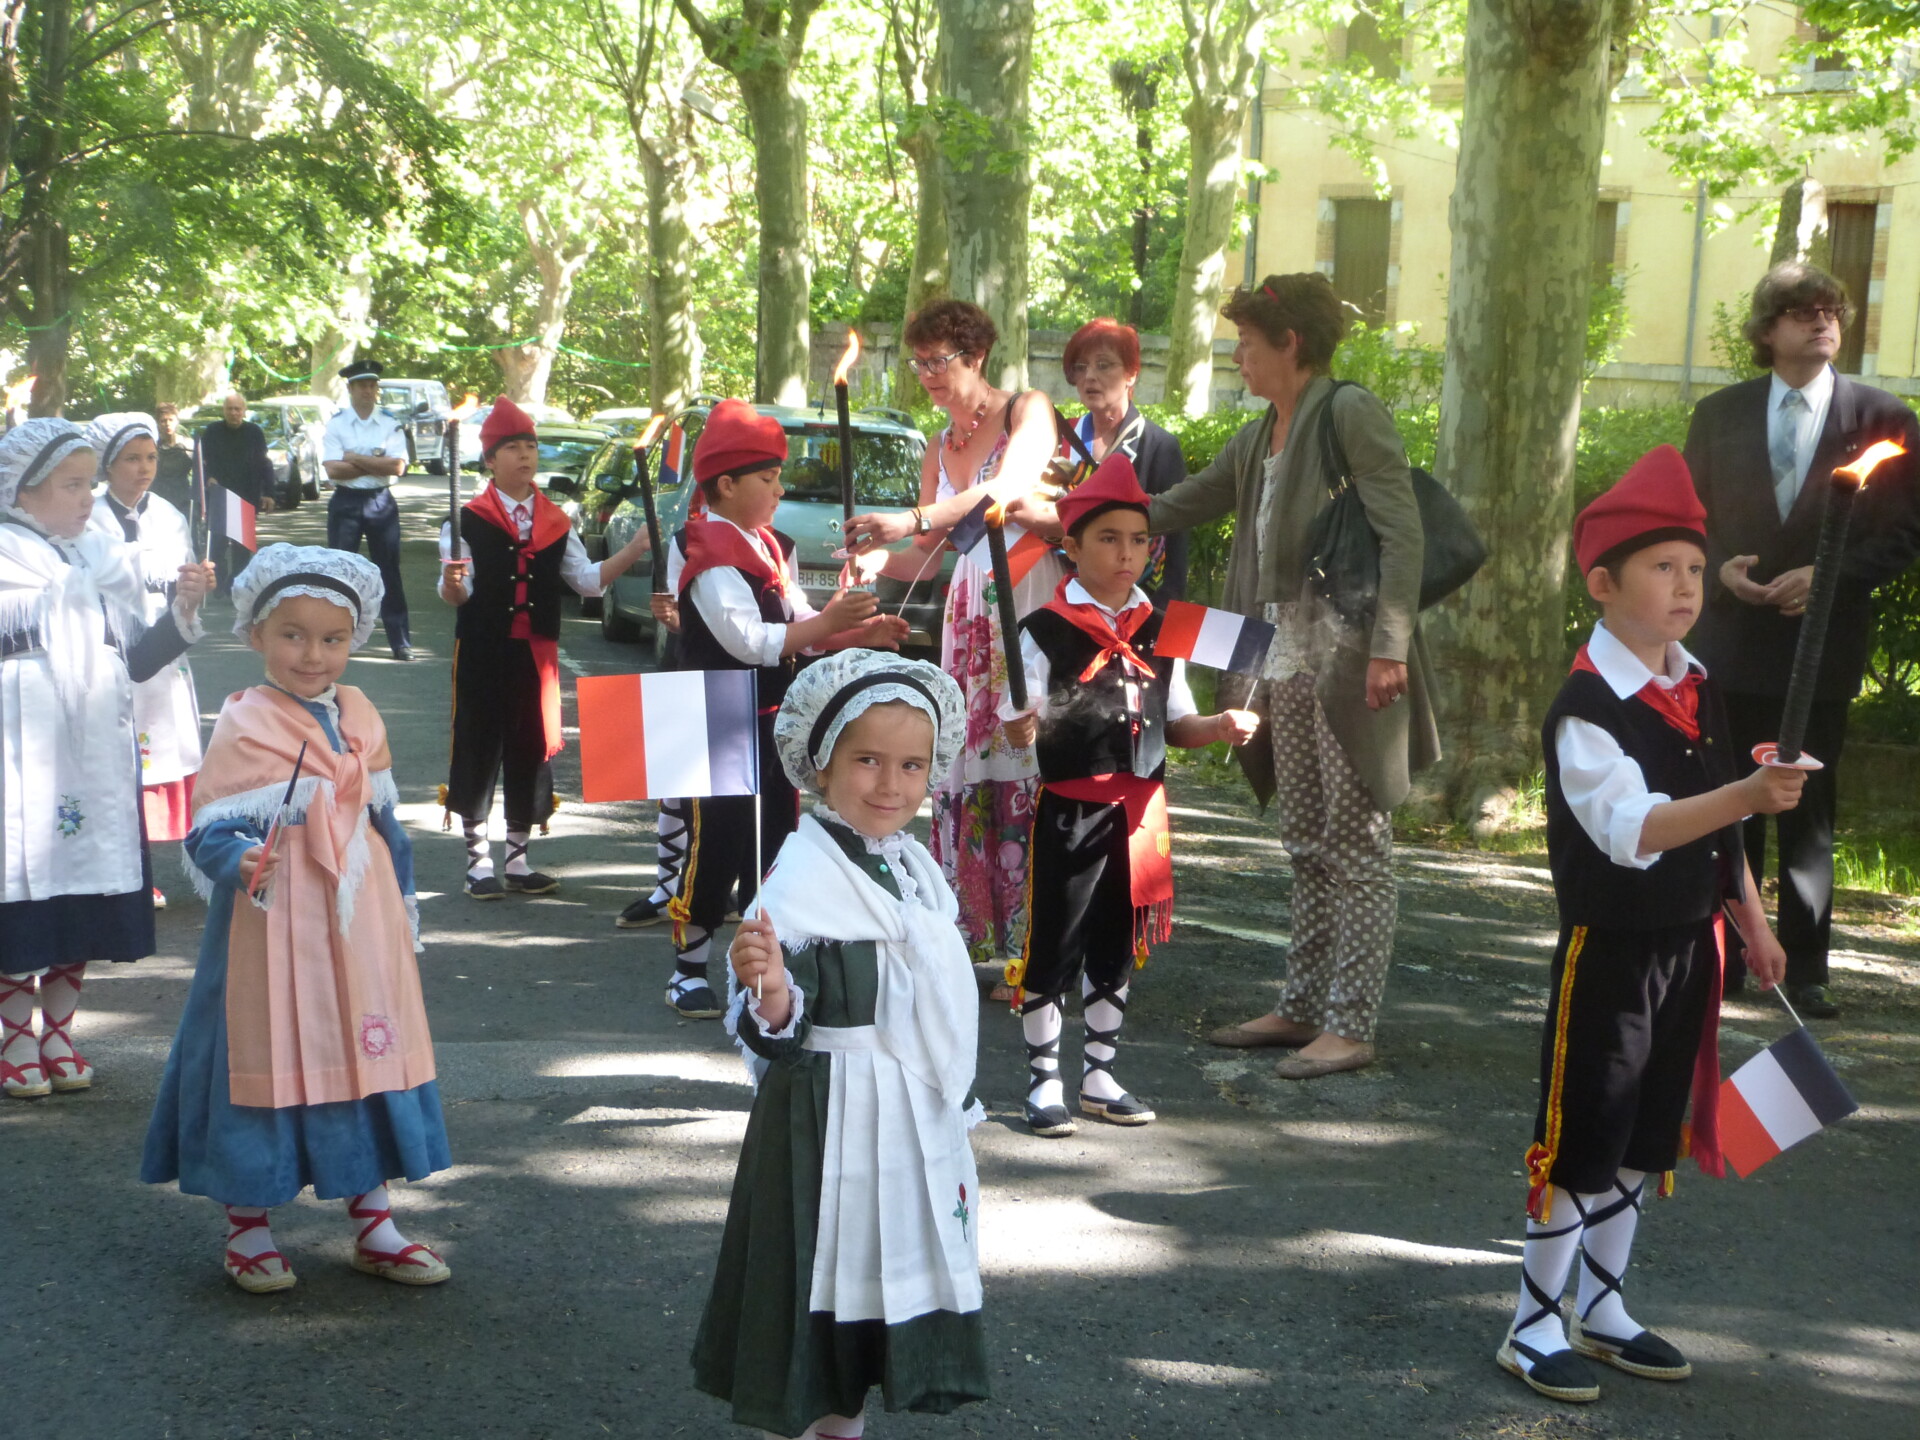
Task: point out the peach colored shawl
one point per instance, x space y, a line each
323 994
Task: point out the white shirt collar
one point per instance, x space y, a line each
1816 392
511 503
1624 673
1078 594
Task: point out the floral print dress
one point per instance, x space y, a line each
983 810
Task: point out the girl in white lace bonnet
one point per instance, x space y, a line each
867 1015
303 1056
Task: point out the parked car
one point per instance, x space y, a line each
565 452
886 475
295 425
421 407
630 420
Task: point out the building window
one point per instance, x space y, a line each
1367 47
1606 228
1850 231
1828 61
1362 250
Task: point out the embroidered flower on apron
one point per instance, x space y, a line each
377 1035
71 818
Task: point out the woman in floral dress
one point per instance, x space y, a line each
1000 442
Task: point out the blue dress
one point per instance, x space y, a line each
255 1155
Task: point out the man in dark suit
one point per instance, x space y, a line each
1761 453
234 450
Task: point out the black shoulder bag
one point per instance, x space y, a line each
1345 565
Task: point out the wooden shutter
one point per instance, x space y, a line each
1362 236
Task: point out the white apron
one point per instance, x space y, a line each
898 1232
69 800
166 711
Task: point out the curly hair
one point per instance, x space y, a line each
1106 332
956 325
1304 304
1789 286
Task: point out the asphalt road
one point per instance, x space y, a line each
1333 1259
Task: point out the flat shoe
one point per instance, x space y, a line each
1300 1067
1051 1122
698 1003
1562 1375
487 889
1242 1037
640 914
1646 1354
260 1274
413 1265
1124 1111
532 883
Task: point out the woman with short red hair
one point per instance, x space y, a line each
1102 363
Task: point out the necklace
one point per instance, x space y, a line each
960 442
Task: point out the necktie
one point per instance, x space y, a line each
1784 451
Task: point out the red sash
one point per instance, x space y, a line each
550 526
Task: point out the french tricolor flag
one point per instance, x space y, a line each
673 456
680 732
1777 1099
235 518
969 537
1218 638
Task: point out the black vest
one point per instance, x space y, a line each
492 583
699 650
1685 885
1091 729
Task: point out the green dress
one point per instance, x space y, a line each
761 1346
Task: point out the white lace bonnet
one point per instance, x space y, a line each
107 434
30 450
280 572
837 689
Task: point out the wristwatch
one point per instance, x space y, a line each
921 525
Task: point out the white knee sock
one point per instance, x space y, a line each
18 1045
248 1240
690 962
1104 1012
59 999
373 1212
1543 1276
670 853
517 852
1606 1245
1042 1018
479 852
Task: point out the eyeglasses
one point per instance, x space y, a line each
1103 367
1814 314
936 364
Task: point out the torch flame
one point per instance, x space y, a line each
651 433
466 408
996 515
1870 460
18 394
847 357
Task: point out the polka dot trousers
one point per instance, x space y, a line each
1342 850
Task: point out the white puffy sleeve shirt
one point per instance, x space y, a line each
725 601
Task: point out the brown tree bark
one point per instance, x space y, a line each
1538 77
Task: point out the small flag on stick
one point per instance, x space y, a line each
680 732
1218 638
969 537
235 517
1777 1099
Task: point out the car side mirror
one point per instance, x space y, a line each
609 483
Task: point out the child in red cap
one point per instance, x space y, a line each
1643 838
1100 868
742 608
522 555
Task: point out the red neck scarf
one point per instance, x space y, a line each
1678 705
720 544
1114 635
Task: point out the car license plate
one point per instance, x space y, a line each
819 579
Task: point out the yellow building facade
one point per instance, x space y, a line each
1388 254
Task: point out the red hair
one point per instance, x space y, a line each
1124 340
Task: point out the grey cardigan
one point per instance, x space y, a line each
1386 746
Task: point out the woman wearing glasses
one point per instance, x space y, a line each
1102 363
1000 443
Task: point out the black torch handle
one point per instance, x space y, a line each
1837 511
453 487
1009 623
657 555
846 454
